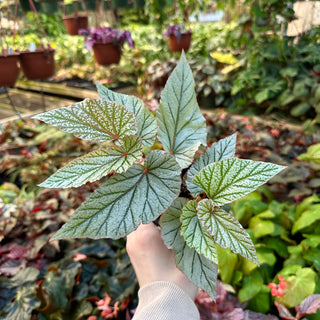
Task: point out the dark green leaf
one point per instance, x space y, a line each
21 308
300 110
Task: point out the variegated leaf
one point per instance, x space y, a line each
182 128
147 125
93 119
97 164
128 199
195 235
201 271
226 230
224 148
233 178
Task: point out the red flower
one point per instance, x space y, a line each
275 132
79 257
106 310
277 289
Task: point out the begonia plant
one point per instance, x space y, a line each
176 30
159 166
105 35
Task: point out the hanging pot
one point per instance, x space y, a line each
75 23
37 65
9 69
176 44
107 53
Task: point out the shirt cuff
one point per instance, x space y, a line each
165 300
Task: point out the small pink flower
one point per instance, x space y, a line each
297 198
277 289
92 318
106 310
79 256
275 132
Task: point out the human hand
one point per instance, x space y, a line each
153 261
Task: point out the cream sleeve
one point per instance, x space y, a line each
164 300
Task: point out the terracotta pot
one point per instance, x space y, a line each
37 65
184 42
107 53
75 23
9 69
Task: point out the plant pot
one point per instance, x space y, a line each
107 53
9 69
184 42
75 23
37 65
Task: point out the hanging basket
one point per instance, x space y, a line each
76 20
107 53
37 65
75 23
9 69
175 45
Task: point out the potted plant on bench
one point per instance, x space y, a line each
179 37
106 43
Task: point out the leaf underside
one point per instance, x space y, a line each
93 119
226 230
233 178
147 125
182 128
201 271
224 148
128 199
195 235
97 164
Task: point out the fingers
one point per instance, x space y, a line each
143 239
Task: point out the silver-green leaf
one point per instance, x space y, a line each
226 230
194 233
97 164
147 125
182 128
93 119
201 271
233 178
128 199
224 148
